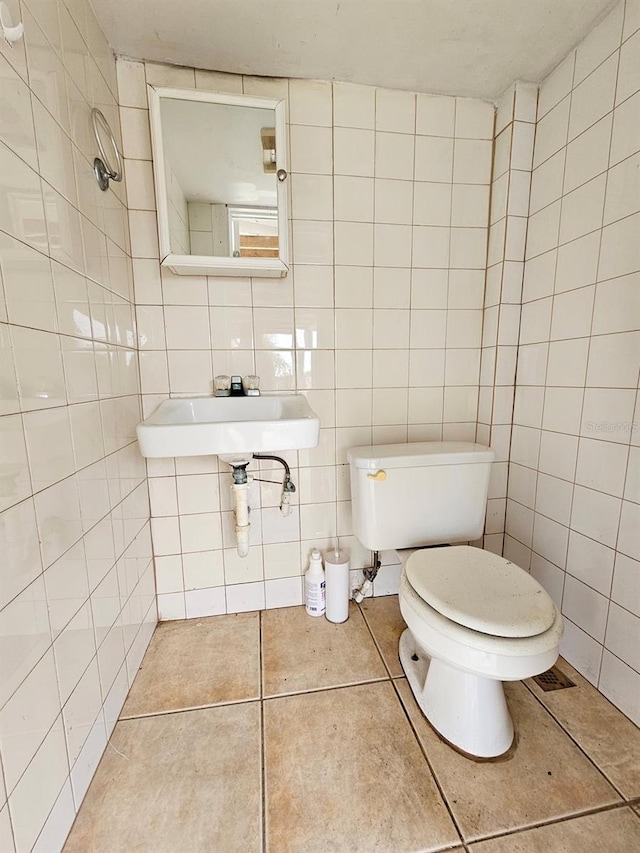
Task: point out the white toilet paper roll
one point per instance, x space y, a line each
336 568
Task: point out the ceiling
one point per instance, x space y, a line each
458 47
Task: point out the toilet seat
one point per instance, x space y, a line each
481 591
506 658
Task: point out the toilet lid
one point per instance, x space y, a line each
481 591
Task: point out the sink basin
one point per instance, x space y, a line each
197 426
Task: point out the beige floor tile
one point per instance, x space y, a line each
344 772
545 777
178 782
386 623
300 652
609 738
616 831
198 662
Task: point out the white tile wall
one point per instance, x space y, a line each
76 579
384 321
573 505
513 150
379 322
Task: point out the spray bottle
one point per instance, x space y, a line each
314 586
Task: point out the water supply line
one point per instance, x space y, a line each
369 576
288 487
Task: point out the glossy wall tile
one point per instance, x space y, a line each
389 199
572 500
77 592
401 204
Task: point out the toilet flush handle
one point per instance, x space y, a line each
379 475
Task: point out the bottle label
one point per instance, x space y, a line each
316 596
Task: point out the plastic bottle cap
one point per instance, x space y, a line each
315 554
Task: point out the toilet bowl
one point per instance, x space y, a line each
474 620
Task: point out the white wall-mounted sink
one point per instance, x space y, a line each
197 426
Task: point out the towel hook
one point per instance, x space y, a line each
102 168
11 32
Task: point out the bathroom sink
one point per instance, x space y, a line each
197 426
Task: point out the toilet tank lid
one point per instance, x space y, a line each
419 454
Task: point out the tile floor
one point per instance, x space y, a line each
274 731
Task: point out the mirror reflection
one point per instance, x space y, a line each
221 185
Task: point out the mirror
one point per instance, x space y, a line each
220 171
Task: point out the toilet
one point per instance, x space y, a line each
474 619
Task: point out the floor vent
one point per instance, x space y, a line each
553 679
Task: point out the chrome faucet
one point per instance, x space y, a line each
236 386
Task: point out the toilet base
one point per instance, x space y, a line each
469 711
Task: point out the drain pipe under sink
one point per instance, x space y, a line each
240 492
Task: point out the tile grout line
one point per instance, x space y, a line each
575 742
260 698
375 642
394 687
552 822
313 690
263 768
429 765
249 700
190 708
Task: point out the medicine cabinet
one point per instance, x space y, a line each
220 170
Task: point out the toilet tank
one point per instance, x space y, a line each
424 493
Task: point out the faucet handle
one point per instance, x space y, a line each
222 385
251 385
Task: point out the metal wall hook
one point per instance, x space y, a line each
11 32
102 168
